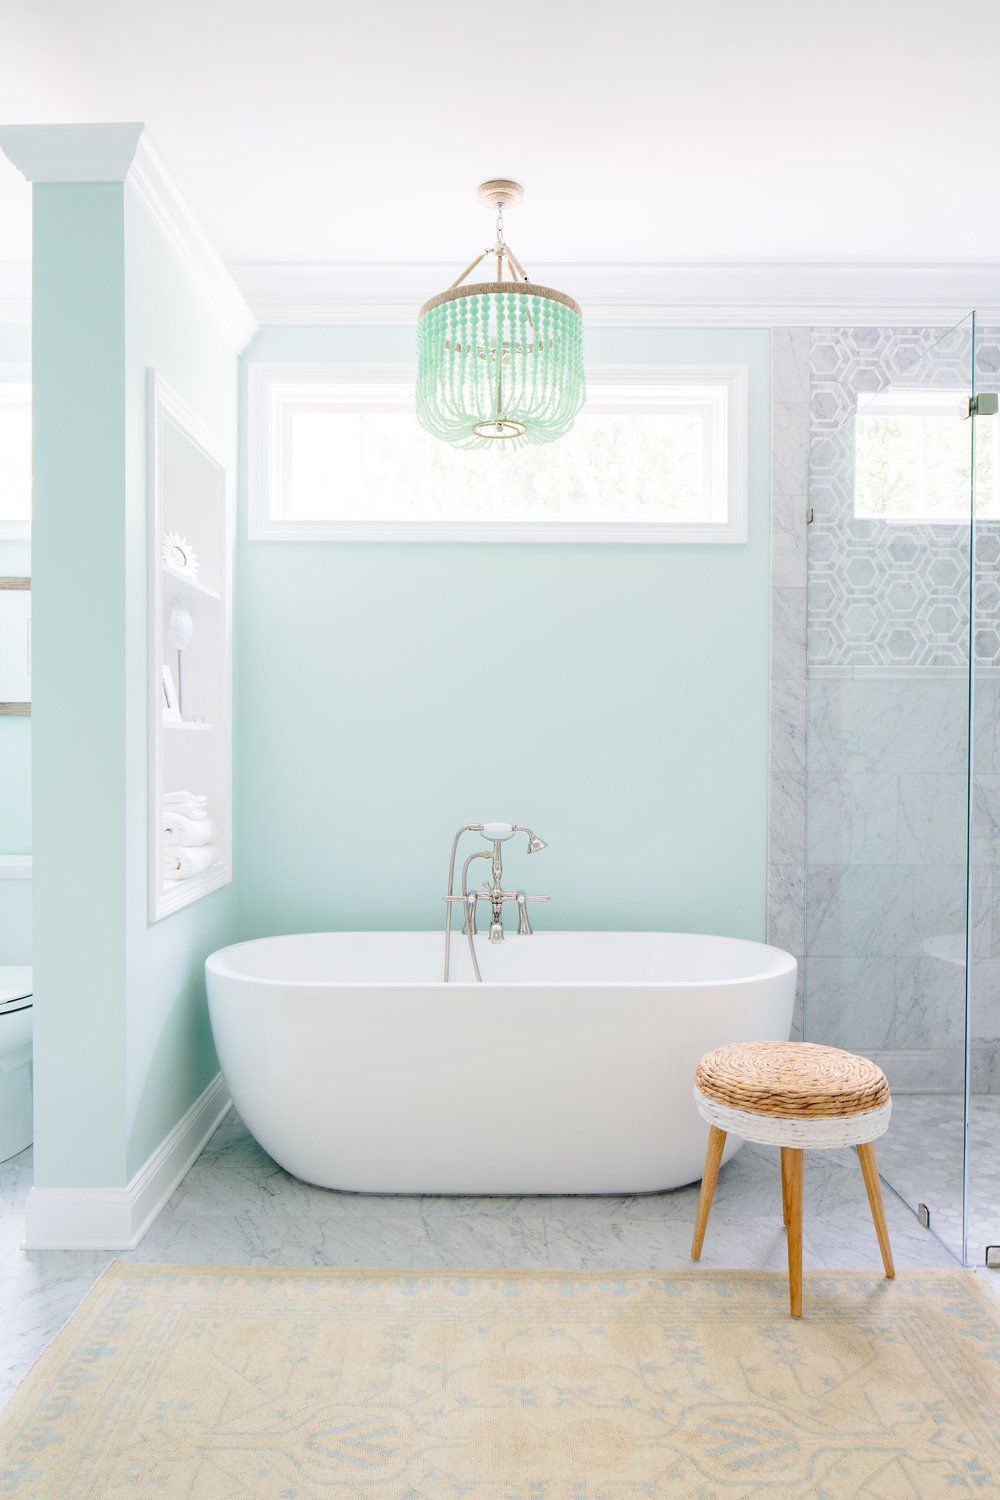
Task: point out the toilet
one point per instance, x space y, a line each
15 1059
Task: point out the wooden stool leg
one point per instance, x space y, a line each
784 1189
869 1171
710 1176
791 1171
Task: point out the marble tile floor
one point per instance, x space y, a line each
922 1157
236 1207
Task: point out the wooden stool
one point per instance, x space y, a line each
800 1097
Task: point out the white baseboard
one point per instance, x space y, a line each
117 1218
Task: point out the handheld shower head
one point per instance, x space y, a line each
498 832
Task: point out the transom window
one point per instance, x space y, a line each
15 457
656 455
912 456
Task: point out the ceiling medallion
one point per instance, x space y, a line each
499 360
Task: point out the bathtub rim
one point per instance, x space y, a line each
786 963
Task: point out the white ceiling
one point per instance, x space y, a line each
319 130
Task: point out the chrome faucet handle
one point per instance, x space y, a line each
524 926
470 902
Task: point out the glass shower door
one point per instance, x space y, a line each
888 736
983 1134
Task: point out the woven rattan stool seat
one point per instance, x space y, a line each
792 1080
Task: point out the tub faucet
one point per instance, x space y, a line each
492 890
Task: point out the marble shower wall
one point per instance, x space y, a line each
868 820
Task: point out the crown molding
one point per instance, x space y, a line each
156 190
645 295
72 153
126 153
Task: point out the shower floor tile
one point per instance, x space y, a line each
236 1206
921 1156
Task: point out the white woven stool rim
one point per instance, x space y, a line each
808 1134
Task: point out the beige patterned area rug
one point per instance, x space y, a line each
410 1385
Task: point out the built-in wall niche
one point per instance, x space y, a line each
190 687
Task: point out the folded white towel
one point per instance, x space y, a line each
180 863
191 832
188 807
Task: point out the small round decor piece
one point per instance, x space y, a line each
180 627
178 554
792 1080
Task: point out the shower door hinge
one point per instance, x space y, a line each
924 1215
810 515
984 405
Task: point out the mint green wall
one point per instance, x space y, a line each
626 718
78 710
170 1058
15 922
15 787
122 1045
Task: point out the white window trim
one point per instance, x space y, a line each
15 531
262 460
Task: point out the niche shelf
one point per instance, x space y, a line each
182 585
190 686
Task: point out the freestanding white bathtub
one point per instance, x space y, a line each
569 1070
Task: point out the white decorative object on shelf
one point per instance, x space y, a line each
180 633
181 627
171 708
179 555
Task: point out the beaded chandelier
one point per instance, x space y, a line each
499 360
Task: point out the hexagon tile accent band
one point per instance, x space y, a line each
888 593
